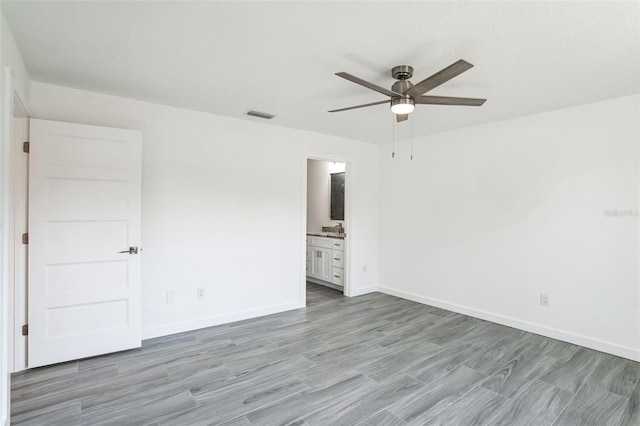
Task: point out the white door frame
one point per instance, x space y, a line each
337 158
19 225
11 98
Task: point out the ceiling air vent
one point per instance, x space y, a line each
261 115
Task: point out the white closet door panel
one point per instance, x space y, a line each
84 199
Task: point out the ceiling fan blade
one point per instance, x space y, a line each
366 84
439 78
448 100
402 117
361 106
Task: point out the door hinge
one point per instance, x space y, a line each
25 238
25 330
25 147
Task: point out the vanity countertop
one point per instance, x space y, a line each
327 234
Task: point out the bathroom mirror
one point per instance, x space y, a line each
337 196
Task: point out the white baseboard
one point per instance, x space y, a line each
577 339
181 327
361 291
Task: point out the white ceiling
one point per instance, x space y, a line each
280 57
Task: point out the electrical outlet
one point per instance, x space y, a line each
544 299
200 293
171 296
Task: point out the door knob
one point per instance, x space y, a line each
132 250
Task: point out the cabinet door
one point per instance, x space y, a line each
315 262
311 261
324 270
320 263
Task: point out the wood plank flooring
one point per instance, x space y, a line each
369 360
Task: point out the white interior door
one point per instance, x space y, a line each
84 210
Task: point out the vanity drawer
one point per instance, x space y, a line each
320 242
337 276
337 259
337 244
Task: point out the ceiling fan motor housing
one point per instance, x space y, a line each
402 104
401 86
402 73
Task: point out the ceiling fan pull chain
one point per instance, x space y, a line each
393 137
411 129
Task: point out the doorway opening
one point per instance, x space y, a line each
327 230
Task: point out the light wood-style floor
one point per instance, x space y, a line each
369 360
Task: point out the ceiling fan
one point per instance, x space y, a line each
404 94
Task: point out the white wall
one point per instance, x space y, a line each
223 207
14 78
11 58
486 218
319 196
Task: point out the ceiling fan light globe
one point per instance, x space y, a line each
402 106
